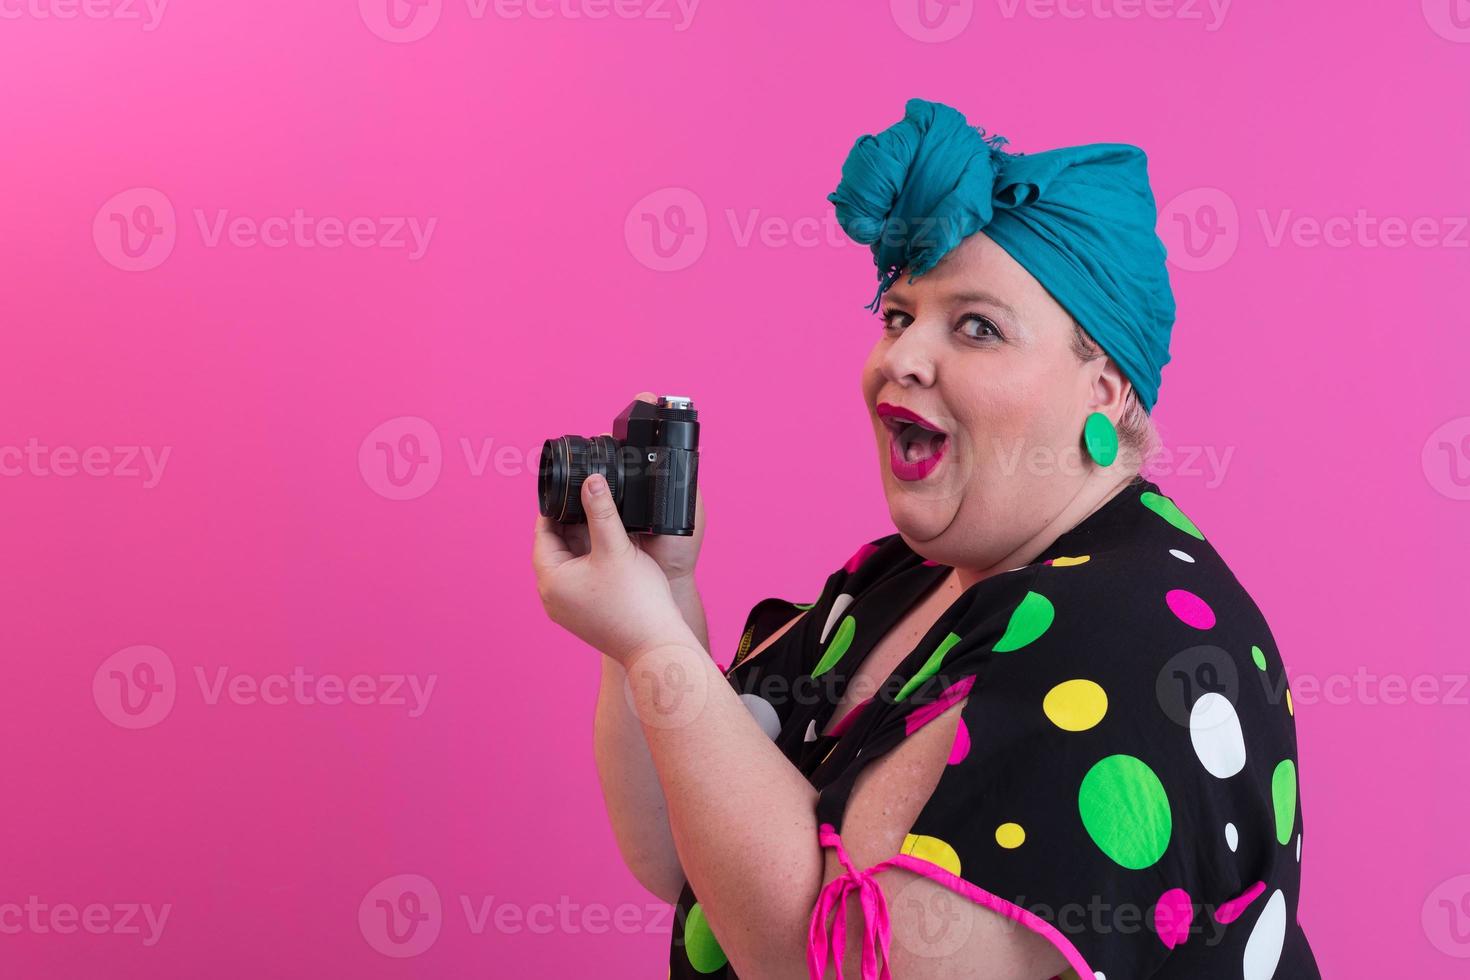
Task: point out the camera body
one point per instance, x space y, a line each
651 463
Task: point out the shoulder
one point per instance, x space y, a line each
1153 602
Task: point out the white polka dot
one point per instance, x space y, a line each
1263 948
839 606
1298 847
1214 728
1100 975
1182 556
765 714
1232 837
811 731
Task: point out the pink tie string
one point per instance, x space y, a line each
877 933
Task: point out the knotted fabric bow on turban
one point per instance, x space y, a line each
1080 219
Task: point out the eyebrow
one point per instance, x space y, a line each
964 296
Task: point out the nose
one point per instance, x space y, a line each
910 359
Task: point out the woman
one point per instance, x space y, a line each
1038 731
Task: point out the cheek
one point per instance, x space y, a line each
872 377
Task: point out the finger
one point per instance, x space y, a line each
604 524
549 549
575 535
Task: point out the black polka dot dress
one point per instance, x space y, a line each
1124 780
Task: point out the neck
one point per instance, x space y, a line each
1088 499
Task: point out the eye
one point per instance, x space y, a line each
984 323
887 317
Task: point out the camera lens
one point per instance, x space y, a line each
566 463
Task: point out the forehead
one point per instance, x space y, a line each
976 269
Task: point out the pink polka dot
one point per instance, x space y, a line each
961 747
858 557
1172 916
1190 608
1229 911
845 722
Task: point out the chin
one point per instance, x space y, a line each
917 519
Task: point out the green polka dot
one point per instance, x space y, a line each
930 668
700 945
1283 798
802 605
1259 657
1126 811
841 640
1169 511
1031 618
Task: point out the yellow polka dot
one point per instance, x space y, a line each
1289 709
1064 562
933 850
1010 835
1075 705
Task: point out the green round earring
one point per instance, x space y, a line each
1101 438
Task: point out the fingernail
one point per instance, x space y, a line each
597 484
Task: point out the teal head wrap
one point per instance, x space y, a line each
1081 219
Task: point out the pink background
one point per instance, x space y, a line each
1332 373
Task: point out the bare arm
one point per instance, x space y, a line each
630 790
686 594
630 786
758 877
742 816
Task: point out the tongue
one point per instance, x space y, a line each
922 445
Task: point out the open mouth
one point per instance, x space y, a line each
915 446
914 441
